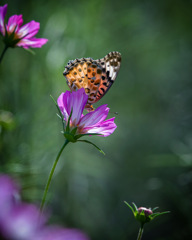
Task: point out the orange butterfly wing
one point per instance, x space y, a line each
95 76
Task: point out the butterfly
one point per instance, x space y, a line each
95 76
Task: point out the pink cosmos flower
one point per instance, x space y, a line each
14 34
93 122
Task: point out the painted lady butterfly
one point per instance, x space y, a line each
95 76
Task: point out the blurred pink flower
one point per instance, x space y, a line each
58 233
92 122
9 190
23 221
14 34
9 194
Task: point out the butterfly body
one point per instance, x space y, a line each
95 76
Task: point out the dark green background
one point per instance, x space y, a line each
148 158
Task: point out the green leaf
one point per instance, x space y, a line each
86 141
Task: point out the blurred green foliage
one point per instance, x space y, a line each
148 158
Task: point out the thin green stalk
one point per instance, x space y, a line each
2 54
140 233
51 174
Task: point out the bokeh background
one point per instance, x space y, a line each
148 158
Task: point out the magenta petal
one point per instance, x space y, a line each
33 42
29 30
3 11
60 102
105 128
63 102
14 23
77 102
94 117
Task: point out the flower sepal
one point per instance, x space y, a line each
10 40
70 136
68 133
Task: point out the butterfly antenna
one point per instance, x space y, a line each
116 113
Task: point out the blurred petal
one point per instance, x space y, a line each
14 23
9 193
29 30
33 42
3 11
22 222
58 233
25 222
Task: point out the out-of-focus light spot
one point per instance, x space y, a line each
56 26
154 183
55 57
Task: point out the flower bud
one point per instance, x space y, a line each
147 211
144 215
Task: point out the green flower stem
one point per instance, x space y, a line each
2 54
51 175
140 233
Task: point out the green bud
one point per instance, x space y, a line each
144 215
